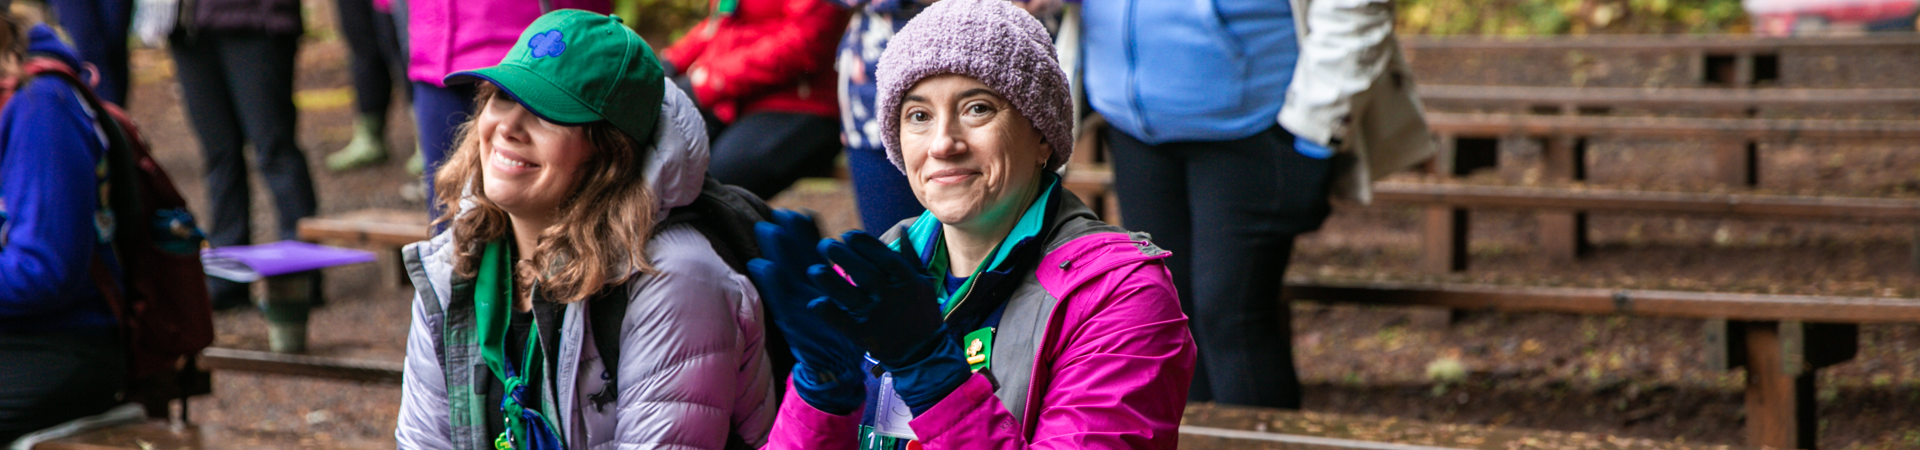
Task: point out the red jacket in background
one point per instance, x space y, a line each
768 55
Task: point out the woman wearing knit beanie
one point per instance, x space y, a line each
1007 315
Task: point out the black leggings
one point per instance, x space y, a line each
766 152
374 53
1228 211
49 378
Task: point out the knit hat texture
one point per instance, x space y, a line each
992 41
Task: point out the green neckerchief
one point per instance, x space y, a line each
493 307
1032 222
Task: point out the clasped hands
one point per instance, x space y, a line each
879 302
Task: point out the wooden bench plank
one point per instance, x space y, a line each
1699 305
159 435
1728 43
1667 97
384 372
1208 426
377 227
1713 204
1464 124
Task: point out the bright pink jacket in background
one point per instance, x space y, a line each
447 36
1113 370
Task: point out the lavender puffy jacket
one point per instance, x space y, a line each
692 364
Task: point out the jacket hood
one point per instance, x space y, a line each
676 165
42 41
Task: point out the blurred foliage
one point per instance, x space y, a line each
1558 17
660 21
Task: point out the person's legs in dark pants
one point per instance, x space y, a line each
388 40
880 190
51 378
210 110
1250 198
766 152
99 32
372 85
1152 184
260 75
438 112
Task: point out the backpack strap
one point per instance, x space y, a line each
123 199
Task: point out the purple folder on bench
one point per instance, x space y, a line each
248 263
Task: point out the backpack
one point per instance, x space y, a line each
164 311
725 214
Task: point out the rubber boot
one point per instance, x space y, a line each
369 145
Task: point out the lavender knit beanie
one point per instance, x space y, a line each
988 40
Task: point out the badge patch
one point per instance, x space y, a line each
550 43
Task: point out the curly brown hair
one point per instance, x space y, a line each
601 232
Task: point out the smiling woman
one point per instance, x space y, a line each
1092 349
563 210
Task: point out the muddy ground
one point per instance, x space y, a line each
1640 377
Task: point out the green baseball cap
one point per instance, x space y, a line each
576 67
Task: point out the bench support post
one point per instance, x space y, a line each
1445 240
1783 360
1563 234
1780 404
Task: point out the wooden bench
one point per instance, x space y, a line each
1782 340
1563 208
385 230
160 435
366 371
1210 426
1605 100
1726 60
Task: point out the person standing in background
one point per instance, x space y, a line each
1200 161
99 31
235 65
447 36
762 71
879 190
374 51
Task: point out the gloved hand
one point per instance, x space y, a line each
891 309
828 373
1311 149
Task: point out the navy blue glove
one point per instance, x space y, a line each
828 373
891 309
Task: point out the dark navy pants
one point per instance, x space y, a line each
239 91
48 378
1228 211
99 32
438 112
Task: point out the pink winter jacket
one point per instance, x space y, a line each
1112 371
447 36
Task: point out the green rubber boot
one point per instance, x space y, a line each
369 145
417 165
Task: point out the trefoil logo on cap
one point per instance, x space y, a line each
547 44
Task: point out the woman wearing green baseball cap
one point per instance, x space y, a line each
575 154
